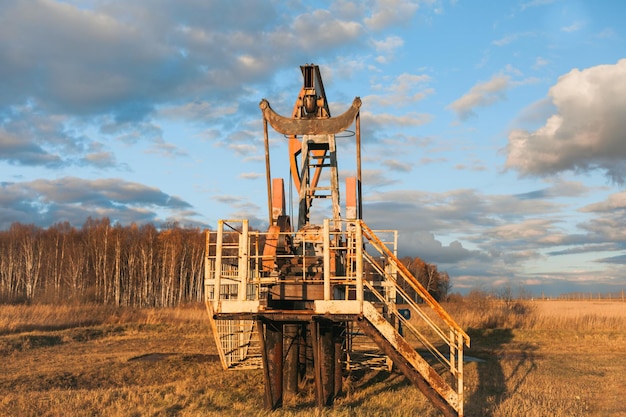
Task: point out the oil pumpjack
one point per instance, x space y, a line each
303 304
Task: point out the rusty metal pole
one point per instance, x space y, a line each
324 362
338 338
218 265
272 350
292 357
328 363
358 165
268 174
317 369
459 383
359 263
326 253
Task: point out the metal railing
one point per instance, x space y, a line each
439 323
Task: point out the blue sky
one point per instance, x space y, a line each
493 132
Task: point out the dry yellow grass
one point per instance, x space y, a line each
561 359
558 358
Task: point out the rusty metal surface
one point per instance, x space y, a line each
313 126
394 340
297 291
292 357
407 370
271 334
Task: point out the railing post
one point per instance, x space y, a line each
243 262
453 350
218 264
359 263
459 384
327 260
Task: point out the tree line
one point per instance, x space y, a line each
139 266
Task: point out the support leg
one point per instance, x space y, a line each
292 357
324 362
272 349
338 337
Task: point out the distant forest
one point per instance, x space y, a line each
138 266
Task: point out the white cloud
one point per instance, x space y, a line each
507 39
197 110
388 45
386 119
607 33
535 114
587 131
574 27
243 149
404 90
320 29
250 175
481 95
614 202
395 165
540 62
535 3
391 12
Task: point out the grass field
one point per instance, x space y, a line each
550 358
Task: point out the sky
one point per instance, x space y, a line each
493 132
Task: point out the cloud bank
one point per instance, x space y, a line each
587 131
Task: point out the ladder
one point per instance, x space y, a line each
226 279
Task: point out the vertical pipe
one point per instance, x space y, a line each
207 266
292 357
334 181
317 366
267 398
359 264
323 362
328 362
452 344
268 174
459 384
327 288
358 164
243 262
338 338
395 243
218 265
274 359
255 278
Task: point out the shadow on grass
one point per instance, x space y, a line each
494 386
359 386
